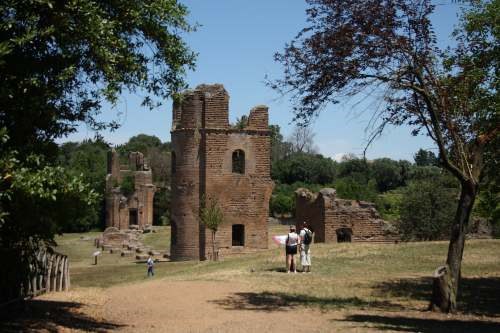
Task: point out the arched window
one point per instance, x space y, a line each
173 163
238 161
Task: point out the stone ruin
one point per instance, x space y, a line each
337 220
132 210
211 159
125 242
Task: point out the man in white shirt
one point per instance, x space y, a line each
150 263
305 251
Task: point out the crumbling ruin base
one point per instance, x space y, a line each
337 220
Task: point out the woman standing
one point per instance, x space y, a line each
292 241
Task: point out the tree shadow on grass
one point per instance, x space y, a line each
479 296
424 325
51 316
276 269
275 301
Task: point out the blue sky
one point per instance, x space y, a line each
236 42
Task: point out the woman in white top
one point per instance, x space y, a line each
292 241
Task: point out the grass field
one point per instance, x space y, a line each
380 276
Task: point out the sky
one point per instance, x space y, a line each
235 42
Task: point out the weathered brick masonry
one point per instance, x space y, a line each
210 159
136 208
338 220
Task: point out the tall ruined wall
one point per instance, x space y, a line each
329 215
119 208
311 210
203 167
244 198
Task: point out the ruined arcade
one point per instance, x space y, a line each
213 160
135 209
338 220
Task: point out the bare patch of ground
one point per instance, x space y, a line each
210 306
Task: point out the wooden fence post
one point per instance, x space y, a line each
55 268
61 273
48 278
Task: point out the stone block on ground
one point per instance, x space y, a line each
142 256
142 250
126 253
106 247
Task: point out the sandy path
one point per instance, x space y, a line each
204 306
163 306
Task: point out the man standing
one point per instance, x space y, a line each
306 236
150 264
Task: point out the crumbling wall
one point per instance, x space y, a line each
204 158
330 216
120 207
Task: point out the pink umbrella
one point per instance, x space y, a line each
280 239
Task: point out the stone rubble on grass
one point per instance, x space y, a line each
126 253
126 243
142 256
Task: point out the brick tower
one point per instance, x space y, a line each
211 159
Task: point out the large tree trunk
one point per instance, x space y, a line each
447 278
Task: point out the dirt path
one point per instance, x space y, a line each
201 306
161 306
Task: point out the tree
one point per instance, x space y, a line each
156 153
307 168
212 217
425 158
241 122
36 202
426 209
87 159
302 140
280 149
141 143
390 47
355 168
60 61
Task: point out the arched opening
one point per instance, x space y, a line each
238 161
238 235
173 233
344 235
173 163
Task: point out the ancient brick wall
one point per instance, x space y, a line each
332 217
204 168
139 204
310 210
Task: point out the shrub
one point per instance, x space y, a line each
282 203
427 210
127 185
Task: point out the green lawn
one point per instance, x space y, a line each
344 275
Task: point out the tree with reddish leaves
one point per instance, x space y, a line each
388 48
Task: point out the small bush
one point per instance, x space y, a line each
282 203
127 186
